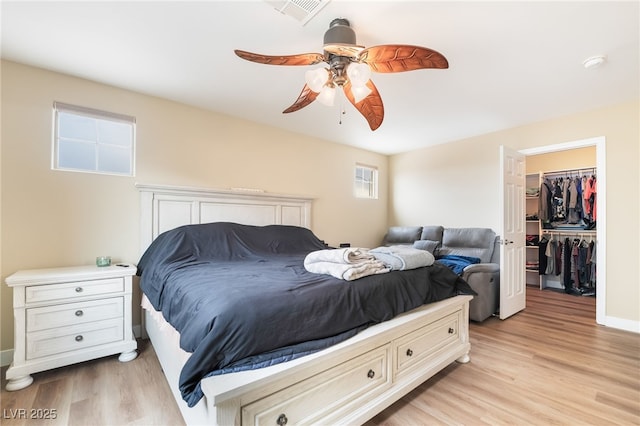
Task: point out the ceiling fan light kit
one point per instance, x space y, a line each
327 96
316 78
350 67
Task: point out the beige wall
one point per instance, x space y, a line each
53 218
562 160
457 184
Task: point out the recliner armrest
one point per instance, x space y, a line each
484 279
481 267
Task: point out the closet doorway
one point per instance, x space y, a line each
582 154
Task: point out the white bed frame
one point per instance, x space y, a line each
345 384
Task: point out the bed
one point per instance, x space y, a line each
299 362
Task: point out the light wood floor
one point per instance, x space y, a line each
549 364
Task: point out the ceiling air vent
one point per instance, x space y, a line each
300 10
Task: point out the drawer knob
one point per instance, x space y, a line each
282 420
78 289
371 374
409 352
451 330
79 313
79 338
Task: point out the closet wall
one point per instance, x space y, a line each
581 242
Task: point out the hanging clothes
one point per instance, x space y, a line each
587 190
545 203
559 251
574 207
593 200
572 201
577 278
566 196
593 262
569 262
575 263
550 254
583 270
542 258
566 266
559 213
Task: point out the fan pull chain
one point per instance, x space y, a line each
341 112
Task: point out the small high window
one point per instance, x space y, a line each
366 182
89 140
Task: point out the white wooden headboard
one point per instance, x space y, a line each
166 207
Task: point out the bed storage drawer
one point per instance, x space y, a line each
324 394
426 342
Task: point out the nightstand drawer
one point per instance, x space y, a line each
67 314
44 293
65 339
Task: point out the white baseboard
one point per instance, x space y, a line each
622 324
6 356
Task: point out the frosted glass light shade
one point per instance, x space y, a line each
327 96
316 79
358 73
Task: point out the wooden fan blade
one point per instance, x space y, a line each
305 98
399 57
370 107
301 59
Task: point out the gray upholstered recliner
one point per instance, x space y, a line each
483 277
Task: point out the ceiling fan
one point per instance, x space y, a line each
350 67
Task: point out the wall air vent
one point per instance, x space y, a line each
300 10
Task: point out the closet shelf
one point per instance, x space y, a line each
570 232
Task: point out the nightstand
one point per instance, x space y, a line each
67 315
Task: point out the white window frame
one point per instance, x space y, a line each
59 107
366 189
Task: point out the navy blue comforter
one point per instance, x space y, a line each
241 298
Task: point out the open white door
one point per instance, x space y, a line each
512 247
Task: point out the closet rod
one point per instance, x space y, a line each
570 171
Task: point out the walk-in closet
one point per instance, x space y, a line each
561 221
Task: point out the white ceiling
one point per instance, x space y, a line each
510 63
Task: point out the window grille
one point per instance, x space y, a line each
93 141
366 181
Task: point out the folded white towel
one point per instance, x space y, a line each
341 255
401 258
348 271
348 263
